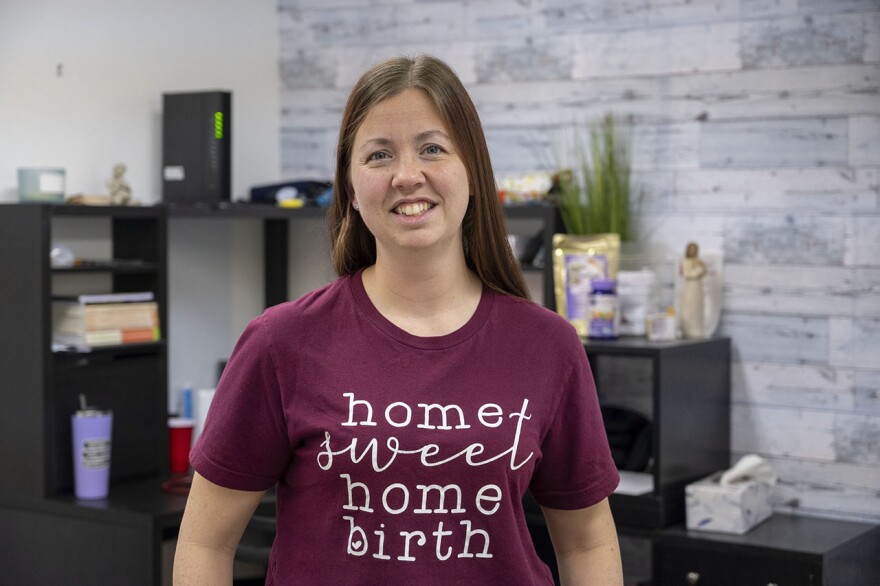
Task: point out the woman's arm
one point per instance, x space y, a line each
585 541
213 521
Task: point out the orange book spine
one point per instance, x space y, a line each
139 335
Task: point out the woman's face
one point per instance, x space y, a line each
407 178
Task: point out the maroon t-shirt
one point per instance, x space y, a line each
402 459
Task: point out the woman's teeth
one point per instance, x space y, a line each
413 209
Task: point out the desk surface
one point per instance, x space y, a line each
809 535
137 502
118 540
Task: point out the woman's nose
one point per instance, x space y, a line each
408 173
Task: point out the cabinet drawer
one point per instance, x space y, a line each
763 570
692 566
684 566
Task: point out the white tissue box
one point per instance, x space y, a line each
735 508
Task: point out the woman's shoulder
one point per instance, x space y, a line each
529 316
315 306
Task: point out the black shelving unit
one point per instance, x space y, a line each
54 538
276 232
42 386
690 415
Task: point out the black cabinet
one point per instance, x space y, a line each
41 385
784 551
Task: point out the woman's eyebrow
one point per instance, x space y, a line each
373 142
384 142
430 134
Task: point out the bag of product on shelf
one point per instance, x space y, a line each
577 261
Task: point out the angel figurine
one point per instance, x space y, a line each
120 191
692 306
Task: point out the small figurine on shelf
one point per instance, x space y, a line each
120 191
692 307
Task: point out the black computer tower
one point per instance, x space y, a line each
196 147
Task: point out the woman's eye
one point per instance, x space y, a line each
378 156
433 149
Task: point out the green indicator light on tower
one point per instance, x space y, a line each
218 125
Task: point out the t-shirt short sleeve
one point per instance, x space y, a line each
576 468
244 443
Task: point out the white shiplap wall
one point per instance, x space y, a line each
757 133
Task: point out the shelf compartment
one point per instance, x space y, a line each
144 348
109 266
103 211
128 381
529 268
536 210
230 210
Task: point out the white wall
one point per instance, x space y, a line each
80 88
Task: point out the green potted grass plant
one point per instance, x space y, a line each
598 197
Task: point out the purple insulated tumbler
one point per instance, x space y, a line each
92 430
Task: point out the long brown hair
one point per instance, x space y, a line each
484 233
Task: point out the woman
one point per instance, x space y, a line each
404 409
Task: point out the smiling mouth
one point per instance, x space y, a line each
413 209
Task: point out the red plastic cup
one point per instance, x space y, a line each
180 432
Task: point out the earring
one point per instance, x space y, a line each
356 206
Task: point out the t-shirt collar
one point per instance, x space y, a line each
473 325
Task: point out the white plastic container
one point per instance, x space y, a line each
637 293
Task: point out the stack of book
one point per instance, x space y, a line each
105 320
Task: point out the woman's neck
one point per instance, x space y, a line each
424 298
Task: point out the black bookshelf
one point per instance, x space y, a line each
43 386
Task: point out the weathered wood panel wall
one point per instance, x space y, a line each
757 133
